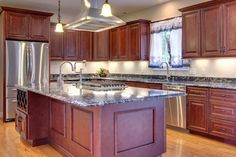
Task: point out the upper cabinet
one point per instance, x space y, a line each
56 44
26 25
85 45
191 34
130 42
39 27
101 46
125 43
17 26
229 10
208 30
70 45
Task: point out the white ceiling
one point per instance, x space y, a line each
70 8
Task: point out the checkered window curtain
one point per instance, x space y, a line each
166 43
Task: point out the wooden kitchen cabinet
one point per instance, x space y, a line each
21 124
208 29
23 24
197 109
130 42
223 129
39 28
70 45
211 20
85 45
17 26
212 111
77 45
139 41
197 115
114 44
229 10
101 46
56 44
124 43
32 117
191 34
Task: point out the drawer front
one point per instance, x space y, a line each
223 110
223 94
224 129
11 92
197 93
21 123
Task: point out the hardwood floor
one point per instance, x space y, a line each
12 146
178 145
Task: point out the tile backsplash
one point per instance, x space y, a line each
214 67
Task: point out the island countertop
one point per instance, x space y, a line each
83 97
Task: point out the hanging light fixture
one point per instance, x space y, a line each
59 27
106 9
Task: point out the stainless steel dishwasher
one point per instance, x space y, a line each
176 107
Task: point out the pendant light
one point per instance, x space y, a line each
59 27
106 9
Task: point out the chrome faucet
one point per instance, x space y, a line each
167 70
80 73
60 81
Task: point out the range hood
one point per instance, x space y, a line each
90 19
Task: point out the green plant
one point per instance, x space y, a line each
102 72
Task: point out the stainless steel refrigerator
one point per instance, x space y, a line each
27 63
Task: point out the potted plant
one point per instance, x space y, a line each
102 72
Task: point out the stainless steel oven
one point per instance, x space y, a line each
176 107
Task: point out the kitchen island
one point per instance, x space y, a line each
87 123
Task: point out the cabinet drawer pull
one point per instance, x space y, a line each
222 129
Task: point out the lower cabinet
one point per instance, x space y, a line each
32 121
222 128
212 112
197 117
21 123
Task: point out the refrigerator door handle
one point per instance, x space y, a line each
27 62
30 63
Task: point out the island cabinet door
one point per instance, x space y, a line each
21 124
133 129
83 133
58 125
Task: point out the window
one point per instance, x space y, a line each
166 44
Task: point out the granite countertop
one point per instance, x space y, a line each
82 97
210 84
225 85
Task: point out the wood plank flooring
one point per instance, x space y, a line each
178 145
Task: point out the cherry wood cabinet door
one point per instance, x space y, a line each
56 44
135 43
39 28
85 45
197 115
59 126
211 25
191 34
21 124
101 46
114 44
124 43
229 29
70 45
17 26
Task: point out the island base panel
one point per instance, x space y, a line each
117 130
